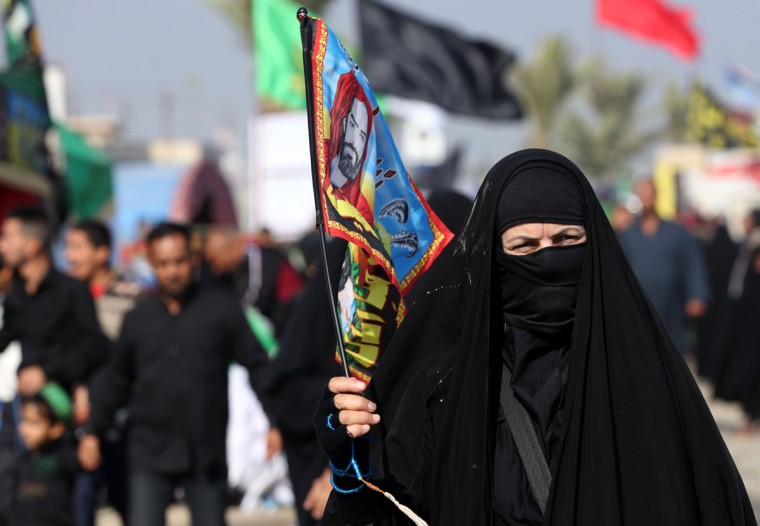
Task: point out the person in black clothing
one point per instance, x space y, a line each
170 365
738 367
532 384
260 277
50 314
720 253
88 254
43 476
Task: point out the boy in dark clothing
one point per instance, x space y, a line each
43 476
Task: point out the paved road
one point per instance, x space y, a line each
745 450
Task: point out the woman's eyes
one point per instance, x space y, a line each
531 246
569 239
524 247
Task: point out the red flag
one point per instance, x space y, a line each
652 20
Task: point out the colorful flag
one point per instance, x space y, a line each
24 116
23 44
711 123
366 197
654 21
410 58
369 308
278 55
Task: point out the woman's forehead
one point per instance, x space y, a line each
537 230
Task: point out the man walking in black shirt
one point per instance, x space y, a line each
170 364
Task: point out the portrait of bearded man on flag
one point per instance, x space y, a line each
350 128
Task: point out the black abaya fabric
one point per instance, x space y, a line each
738 373
637 444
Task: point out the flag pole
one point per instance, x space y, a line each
307 40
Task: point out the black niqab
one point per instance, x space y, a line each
637 444
540 290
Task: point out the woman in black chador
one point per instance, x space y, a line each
532 384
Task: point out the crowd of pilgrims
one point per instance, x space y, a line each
118 394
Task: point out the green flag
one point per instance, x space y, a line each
277 52
22 40
89 183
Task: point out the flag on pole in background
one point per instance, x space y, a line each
410 58
366 197
24 116
23 44
277 53
89 177
710 122
654 21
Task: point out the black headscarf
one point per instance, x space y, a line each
637 444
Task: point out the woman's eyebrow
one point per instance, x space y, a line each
522 237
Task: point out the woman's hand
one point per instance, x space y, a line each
342 421
354 411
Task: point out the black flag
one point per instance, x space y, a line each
407 57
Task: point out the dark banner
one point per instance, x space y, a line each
711 123
407 57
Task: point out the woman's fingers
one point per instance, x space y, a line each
353 402
357 430
355 411
343 384
348 418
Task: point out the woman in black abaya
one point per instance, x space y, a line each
738 372
532 383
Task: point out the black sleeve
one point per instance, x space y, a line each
247 351
112 385
89 349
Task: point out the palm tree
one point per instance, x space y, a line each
544 85
603 136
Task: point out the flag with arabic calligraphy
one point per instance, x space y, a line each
366 195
